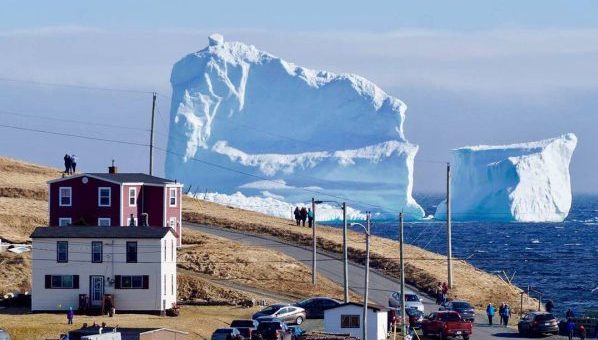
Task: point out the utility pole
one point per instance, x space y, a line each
151 155
313 236
403 328
448 226
367 277
345 253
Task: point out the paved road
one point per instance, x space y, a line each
332 268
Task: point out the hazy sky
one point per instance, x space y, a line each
471 72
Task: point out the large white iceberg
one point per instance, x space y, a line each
243 120
526 182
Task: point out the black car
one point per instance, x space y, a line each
536 323
315 307
464 309
245 327
226 334
274 330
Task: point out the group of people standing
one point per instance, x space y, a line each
302 215
441 293
70 164
504 312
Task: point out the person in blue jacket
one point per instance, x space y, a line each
570 328
490 310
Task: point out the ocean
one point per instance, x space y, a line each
557 260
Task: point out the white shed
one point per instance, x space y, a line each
347 318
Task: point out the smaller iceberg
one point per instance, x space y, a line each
527 182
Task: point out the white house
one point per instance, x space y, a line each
137 265
347 318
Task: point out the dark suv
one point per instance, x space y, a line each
315 307
536 323
274 330
464 309
245 327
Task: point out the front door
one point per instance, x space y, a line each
96 290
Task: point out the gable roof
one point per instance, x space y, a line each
374 307
120 178
101 232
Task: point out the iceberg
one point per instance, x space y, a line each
526 182
243 120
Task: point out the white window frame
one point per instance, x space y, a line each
104 219
170 197
134 190
67 221
134 219
109 197
172 222
70 190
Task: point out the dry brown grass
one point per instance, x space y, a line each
423 269
261 268
15 272
198 321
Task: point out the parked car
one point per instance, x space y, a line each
462 307
315 307
411 301
414 316
274 330
445 324
4 335
296 331
536 323
268 319
245 327
227 334
287 313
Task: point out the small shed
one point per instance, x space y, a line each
111 333
347 318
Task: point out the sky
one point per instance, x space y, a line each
470 72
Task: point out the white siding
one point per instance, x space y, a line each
377 322
150 261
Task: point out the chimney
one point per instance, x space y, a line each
112 169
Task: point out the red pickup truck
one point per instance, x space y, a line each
445 324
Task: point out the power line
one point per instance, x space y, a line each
84 87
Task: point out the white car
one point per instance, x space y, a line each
411 301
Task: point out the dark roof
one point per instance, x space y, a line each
375 307
126 333
132 178
100 232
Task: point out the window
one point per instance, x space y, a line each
132 252
104 222
62 282
97 252
104 194
172 222
131 281
164 284
171 284
349 321
172 197
62 251
172 250
164 250
64 221
132 197
65 196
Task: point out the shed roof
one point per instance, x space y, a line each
120 178
374 307
101 232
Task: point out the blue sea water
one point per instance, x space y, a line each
560 260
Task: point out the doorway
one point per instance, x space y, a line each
96 290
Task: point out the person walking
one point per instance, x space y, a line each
70 315
570 328
73 163
303 213
67 164
490 310
297 215
506 315
569 314
549 306
501 312
445 290
310 217
582 332
438 292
